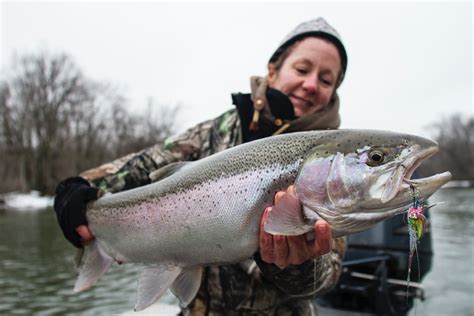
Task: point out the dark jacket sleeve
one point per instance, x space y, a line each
133 170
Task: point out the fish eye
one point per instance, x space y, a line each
376 157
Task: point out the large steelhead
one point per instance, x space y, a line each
208 211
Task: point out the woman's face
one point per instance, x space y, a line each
308 75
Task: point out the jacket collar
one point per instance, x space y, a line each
279 106
276 114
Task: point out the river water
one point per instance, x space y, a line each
37 275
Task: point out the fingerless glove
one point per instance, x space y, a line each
72 196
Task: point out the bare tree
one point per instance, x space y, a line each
55 122
42 103
455 136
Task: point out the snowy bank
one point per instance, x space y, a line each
31 201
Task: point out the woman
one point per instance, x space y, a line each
298 93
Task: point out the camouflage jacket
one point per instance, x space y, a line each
252 287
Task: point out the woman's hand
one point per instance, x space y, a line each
285 250
85 233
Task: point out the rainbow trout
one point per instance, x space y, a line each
207 212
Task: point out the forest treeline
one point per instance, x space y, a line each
455 137
56 122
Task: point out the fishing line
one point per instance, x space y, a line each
314 280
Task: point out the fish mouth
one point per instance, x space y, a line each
427 185
420 188
415 161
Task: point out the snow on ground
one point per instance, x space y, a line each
31 201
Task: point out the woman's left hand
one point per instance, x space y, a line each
285 250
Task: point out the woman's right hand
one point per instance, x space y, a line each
285 250
70 202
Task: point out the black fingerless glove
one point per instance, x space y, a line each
72 196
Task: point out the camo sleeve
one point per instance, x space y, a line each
311 278
197 142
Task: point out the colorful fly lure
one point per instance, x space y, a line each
417 224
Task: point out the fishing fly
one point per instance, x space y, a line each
417 226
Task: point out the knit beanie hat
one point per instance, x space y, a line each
319 28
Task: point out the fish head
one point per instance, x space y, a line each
359 178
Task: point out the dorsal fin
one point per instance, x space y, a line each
167 170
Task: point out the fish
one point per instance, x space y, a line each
207 212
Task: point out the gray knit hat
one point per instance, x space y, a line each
319 28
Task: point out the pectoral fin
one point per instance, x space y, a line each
93 264
153 283
187 285
286 218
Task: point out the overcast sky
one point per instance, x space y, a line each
409 63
